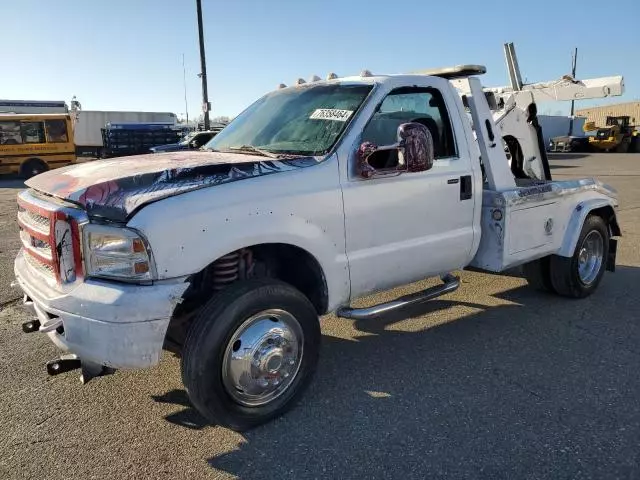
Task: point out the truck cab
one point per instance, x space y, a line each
316 195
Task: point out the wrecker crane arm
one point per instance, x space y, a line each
564 89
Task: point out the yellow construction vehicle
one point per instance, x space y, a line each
618 135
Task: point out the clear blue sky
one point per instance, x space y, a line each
127 54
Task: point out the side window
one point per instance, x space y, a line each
32 132
56 131
421 105
10 133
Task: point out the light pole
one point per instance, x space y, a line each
184 81
574 61
203 69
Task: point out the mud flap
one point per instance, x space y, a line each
611 256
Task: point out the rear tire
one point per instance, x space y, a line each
32 167
240 354
538 274
578 276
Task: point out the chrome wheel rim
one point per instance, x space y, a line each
590 257
263 357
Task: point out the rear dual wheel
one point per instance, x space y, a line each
251 353
577 276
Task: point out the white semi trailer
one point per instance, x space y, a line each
88 125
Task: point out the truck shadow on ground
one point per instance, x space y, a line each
189 417
538 384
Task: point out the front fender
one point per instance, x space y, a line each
603 206
190 231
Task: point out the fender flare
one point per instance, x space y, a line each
601 206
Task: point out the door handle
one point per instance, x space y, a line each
453 181
466 187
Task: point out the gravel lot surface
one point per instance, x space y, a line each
492 381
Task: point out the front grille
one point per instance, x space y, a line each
42 247
39 267
37 222
50 238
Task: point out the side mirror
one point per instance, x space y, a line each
413 152
415 147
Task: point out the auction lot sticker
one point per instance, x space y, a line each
331 114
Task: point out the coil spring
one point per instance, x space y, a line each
226 270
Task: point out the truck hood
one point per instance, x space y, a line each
114 189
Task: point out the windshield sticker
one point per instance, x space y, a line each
331 114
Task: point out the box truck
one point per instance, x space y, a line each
88 125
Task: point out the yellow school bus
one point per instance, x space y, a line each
32 144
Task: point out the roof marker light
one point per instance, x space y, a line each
366 73
300 81
282 85
315 78
332 76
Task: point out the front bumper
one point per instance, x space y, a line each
107 323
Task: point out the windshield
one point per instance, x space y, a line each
305 120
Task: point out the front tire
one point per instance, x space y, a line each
578 276
251 353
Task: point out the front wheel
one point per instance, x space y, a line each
578 276
251 353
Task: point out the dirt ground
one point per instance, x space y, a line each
492 381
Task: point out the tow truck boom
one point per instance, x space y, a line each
515 113
565 89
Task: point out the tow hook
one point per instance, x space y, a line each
65 363
31 326
69 362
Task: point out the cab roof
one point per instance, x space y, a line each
449 73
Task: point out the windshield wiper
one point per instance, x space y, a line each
252 149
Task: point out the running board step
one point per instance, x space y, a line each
450 283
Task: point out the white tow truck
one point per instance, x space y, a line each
316 195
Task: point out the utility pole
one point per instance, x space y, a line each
206 106
574 61
184 80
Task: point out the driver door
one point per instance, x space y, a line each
406 227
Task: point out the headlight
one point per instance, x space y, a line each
118 253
